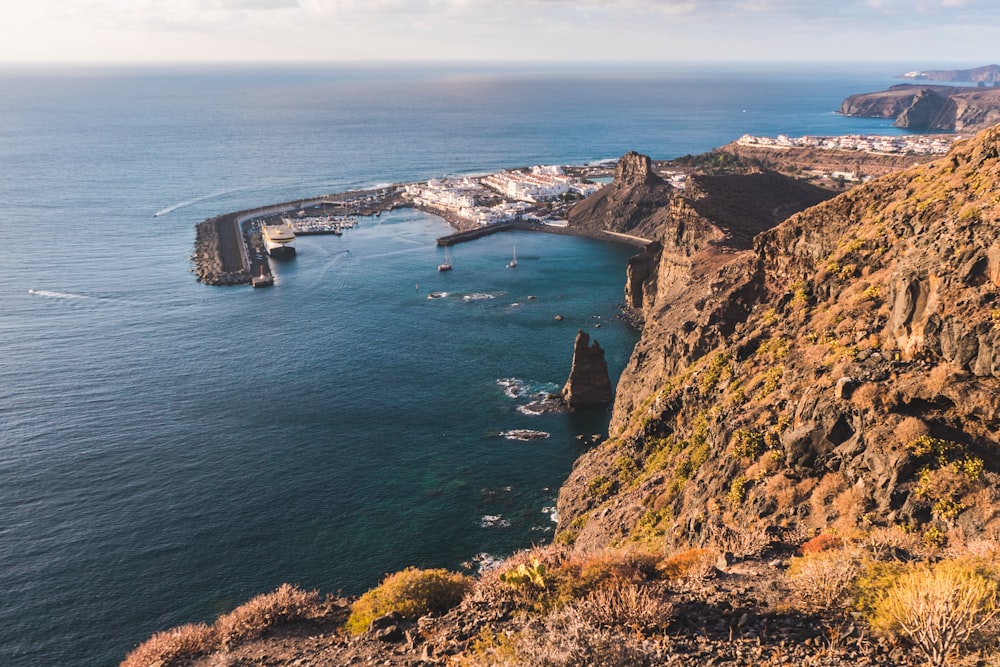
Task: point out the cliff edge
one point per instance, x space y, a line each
929 107
843 372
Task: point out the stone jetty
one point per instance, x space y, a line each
220 253
222 244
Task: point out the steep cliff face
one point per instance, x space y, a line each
842 371
934 108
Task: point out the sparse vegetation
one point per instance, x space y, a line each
939 608
410 593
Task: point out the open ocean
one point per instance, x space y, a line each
168 449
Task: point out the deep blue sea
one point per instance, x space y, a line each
168 449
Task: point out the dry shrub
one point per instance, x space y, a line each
496 587
983 549
868 396
691 564
822 542
410 593
546 578
910 429
567 637
940 608
940 377
251 620
748 543
819 580
176 646
891 542
822 499
639 608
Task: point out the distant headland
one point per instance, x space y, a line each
935 108
982 75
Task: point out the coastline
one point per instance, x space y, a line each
228 250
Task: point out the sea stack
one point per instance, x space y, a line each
588 385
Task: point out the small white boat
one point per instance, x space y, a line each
446 264
513 262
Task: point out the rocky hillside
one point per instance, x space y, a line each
929 108
843 372
804 448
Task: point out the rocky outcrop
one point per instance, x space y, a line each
589 385
842 371
929 108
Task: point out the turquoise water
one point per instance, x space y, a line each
168 450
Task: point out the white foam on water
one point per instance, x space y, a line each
51 294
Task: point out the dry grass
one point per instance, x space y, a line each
819 580
625 605
689 565
176 646
546 578
249 621
287 604
568 637
910 429
868 396
822 500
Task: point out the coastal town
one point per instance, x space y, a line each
538 194
912 144
537 197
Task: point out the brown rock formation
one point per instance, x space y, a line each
842 371
588 385
925 107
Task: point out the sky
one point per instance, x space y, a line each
925 33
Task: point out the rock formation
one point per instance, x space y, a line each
588 385
842 372
928 107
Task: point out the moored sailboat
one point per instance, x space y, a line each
446 264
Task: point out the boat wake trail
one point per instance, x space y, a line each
189 202
50 294
336 259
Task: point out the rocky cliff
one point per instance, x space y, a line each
843 371
930 108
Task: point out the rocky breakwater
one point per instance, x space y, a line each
843 371
219 258
929 107
588 385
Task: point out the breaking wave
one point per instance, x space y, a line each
524 434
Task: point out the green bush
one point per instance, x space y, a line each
411 593
939 607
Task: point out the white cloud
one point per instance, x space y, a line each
496 29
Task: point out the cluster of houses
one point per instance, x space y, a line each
498 197
902 145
